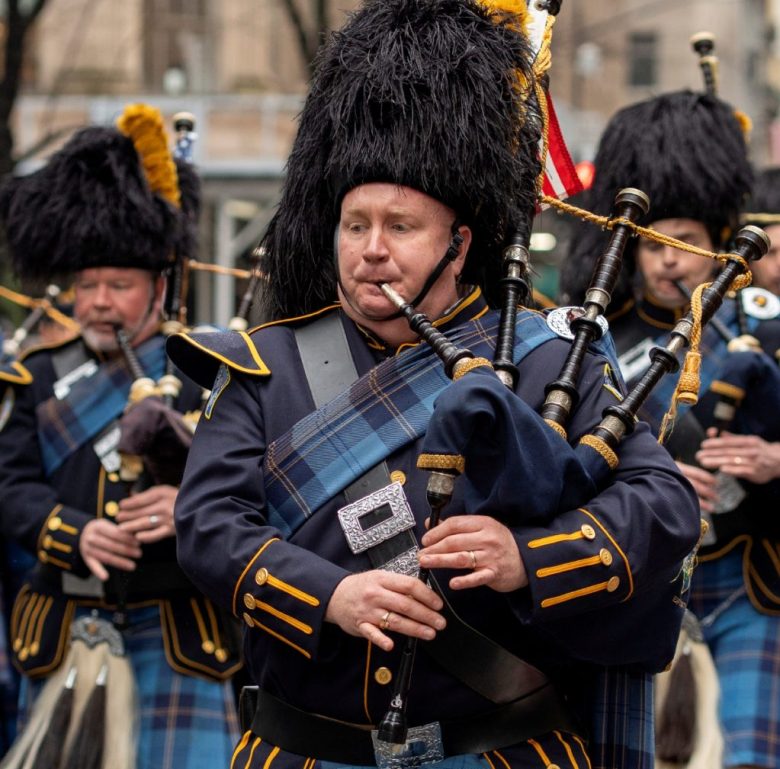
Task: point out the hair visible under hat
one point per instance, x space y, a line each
424 93
685 150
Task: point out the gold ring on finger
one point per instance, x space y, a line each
385 624
473 559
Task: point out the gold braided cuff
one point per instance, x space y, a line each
728 390
558 428
601 448
441 462
462 367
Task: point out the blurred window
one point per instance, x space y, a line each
643 58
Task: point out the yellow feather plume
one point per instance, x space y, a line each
143 124
745 123
517 8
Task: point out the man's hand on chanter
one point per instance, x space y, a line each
149 514
479 543
372 602
104 545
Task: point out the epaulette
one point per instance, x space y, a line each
199 355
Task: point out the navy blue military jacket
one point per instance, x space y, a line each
602 577
46 516
640 326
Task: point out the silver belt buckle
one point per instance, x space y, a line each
423 746
377 517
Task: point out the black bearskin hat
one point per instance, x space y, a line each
430 94
92 205
685 150
763 207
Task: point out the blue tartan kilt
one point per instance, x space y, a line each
745 646
183 722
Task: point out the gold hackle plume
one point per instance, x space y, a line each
144 125
516 8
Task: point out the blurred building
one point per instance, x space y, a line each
238 66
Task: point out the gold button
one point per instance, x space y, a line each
113 477
248 620
55 523
605 556
249 601
18 645
47 540
221 655
553 766
43 555
208 647
398 476
111 508
23 654
34 647
262 576
613 584
383 676
588 531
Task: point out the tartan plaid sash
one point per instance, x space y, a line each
64 426
384 410
714 352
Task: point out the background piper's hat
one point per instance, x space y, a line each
687 151
763 206
431 94
111 197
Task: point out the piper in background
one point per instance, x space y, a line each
106 611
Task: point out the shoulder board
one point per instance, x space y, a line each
298 320
15 373
28 351
199 355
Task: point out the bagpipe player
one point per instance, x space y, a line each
109 210
688 151
302 505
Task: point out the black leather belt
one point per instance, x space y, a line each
328 739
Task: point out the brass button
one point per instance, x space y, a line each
605 556
249 601
23 654
553 766
18 645
613 584
221 655
55 523
262 576
398 476
248 620
43 555
383 676
588 531
34 648
208 647
113 477
47 540
111 508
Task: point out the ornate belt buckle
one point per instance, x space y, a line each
376 518
423 746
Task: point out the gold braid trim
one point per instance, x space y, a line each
558 428
462 367
143 124
727 389
759 218
31 303
441 462
601 448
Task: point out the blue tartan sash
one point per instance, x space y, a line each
64 426
384 410
714 352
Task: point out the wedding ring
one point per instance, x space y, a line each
473 559
153 519
385 624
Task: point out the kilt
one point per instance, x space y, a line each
183 722
745 646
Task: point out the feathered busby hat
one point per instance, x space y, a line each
763 206
111 197
685 150
431 94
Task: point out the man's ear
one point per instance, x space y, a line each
465 232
